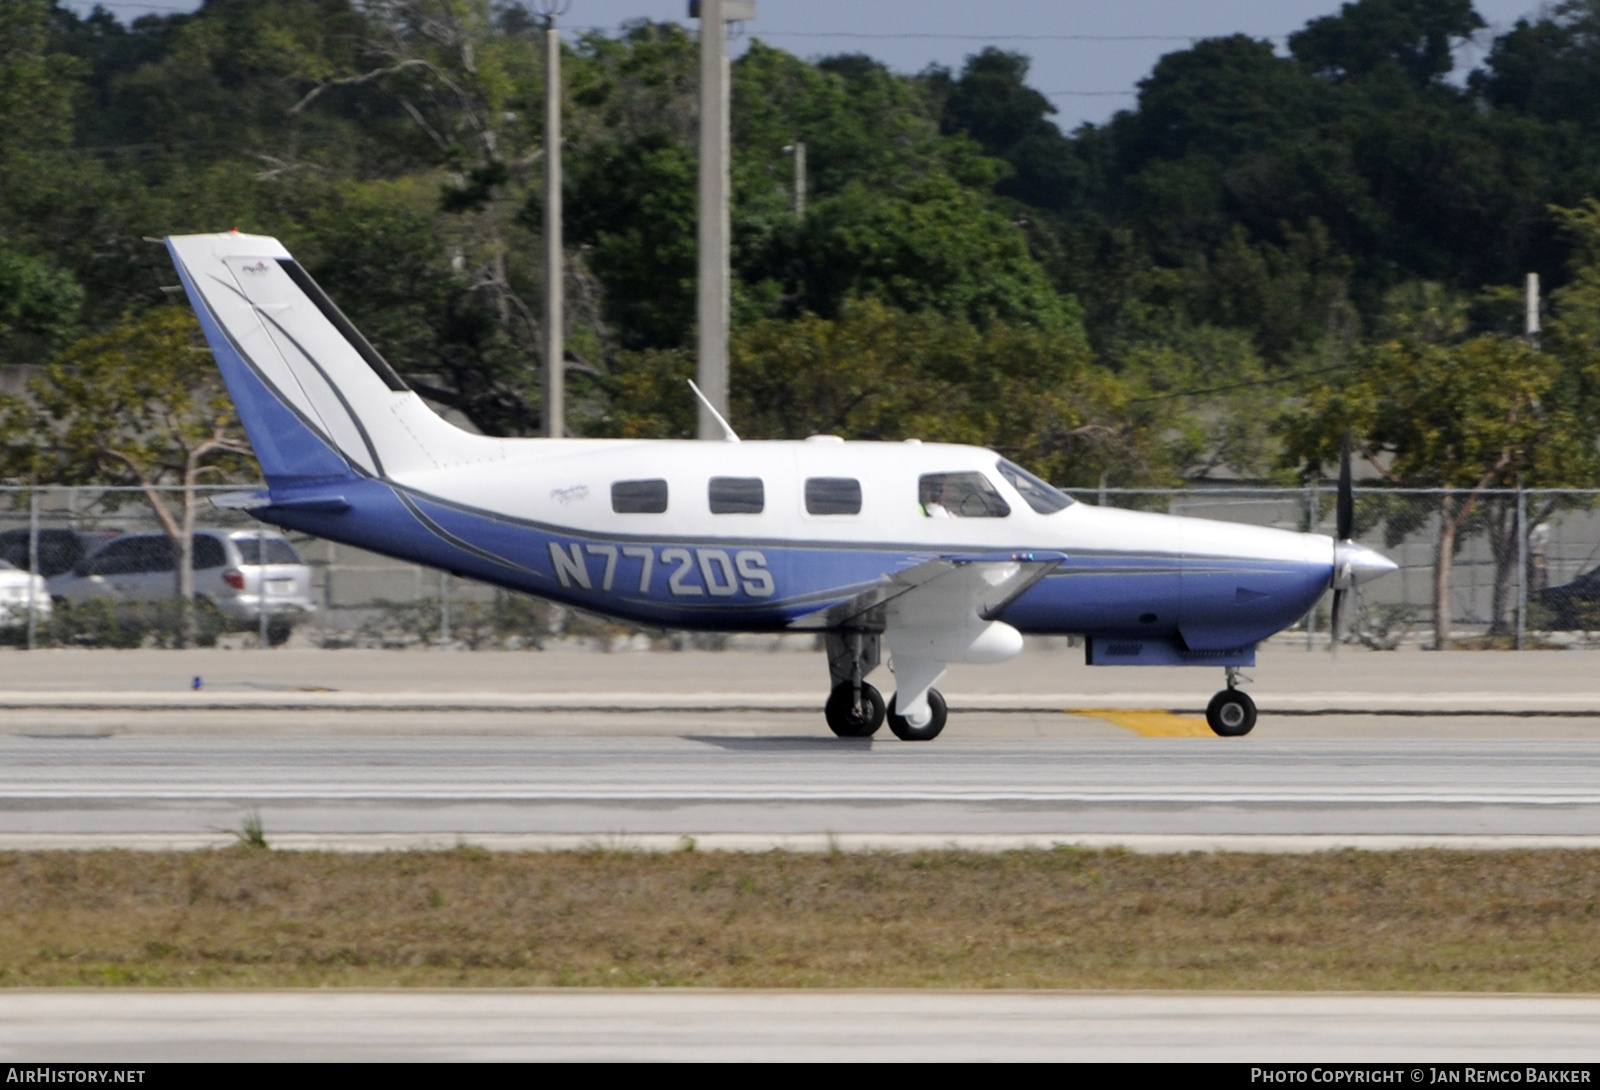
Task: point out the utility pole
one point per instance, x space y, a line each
1530 325
711 369
797 192
555 349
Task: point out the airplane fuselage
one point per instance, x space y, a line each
1205 587
949 553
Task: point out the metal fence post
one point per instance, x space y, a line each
327 588
1522 566
261 586
1312 518
444 608
33 569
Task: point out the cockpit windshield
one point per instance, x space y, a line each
1044 498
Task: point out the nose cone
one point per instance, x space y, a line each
1355 564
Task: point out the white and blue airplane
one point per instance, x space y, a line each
943 553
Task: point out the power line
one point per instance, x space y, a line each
824 34
986 37
184 9
1089 94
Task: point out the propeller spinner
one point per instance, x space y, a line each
1352 564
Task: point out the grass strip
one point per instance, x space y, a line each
248 918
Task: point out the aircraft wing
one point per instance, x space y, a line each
945 588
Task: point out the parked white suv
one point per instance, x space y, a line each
232 570
18 590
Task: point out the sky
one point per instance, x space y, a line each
1087 55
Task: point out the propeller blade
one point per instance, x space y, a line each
1346 511
1333 625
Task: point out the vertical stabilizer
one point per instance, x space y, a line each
316 399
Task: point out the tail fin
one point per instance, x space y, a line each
317 401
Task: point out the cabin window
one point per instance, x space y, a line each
737 496
960 496
1043 498
639 497
833 496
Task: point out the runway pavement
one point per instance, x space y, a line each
611 789
371 751
131 1027
377 749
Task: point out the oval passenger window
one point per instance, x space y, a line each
737 495
639 497
833 496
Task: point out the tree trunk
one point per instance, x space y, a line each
182 552
1502 524
1443 558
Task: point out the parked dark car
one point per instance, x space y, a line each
1570 606
59 550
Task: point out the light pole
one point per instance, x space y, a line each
555 408
713 303
797 191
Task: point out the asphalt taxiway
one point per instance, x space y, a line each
343 789
371 749
131 1027
376 750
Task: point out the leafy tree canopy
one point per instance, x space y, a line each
1213 257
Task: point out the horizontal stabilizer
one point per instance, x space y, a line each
309 501
259 499
242 501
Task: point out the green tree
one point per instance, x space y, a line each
37 80
635 212
992 103
874 372
1485 413
1413 37
39 304
933 245
142 405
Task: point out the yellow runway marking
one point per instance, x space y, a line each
1149 722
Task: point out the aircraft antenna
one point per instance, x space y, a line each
705 403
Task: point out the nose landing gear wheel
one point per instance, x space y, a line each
1231 713
849 720
904 731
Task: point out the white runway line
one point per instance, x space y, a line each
131 1027
1331 702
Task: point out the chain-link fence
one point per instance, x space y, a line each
354 598
1518 571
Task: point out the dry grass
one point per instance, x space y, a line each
1504 921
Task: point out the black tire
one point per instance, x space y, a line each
279 629
1231 713
847 720
929 731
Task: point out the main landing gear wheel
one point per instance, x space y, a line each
929 730
1231 713
848 719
